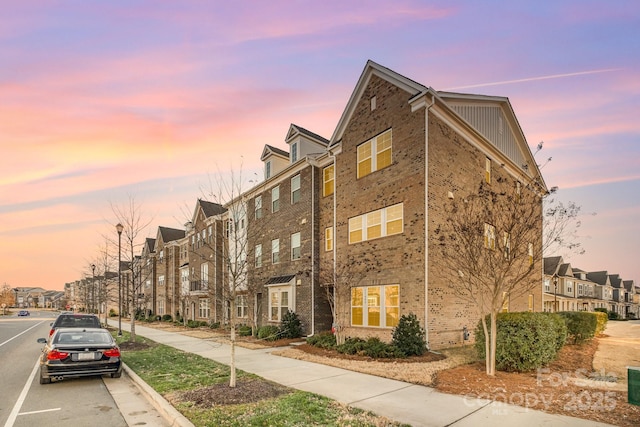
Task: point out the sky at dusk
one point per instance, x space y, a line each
101 101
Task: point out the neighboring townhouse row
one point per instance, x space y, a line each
567 288
360 207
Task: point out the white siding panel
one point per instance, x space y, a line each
489 121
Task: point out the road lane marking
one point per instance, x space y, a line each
25 331
39 412
23 395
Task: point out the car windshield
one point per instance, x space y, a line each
83 337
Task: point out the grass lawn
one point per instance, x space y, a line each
196 386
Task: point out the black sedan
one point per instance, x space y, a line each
76 352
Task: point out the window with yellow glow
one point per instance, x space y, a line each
375 154
328 179
375 306
328 239
380 223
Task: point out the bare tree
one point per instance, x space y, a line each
491 248
7 296
236 233
130 216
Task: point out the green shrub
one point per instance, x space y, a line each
323 340
167 318
268 332
112 313
351 346
290 326
613 315
408 336
581 325
525 341
244 330
214 325
372 347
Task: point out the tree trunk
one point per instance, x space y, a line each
133 323
232 362
487 345
494 340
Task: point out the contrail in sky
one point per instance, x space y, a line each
532 79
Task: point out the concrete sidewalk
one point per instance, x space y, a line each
403 402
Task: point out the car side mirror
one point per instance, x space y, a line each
42 340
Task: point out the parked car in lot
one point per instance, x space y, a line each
75 320
79 352
24 313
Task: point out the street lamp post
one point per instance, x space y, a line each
119 228
555 292
93 287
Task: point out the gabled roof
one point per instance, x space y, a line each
210 208
600 277
628 285
373 69
551 265
295 129
514 152
150 244
170 234
270 150
615 280
565 270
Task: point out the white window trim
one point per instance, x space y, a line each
295 186
275 191
275 249
360 223
365 306
297 241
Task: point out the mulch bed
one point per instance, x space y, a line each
425 358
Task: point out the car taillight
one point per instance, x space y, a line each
57 355
51 332
114 352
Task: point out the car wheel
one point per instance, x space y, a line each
116 375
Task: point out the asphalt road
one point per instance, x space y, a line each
24 402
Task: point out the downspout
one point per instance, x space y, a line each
313 247
334 233
426 221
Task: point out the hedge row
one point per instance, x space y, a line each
527 341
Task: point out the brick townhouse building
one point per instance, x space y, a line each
369 199
360 207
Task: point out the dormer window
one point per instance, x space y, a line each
294 152
267 169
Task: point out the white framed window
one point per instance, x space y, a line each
257 204
580 289
161 307
295 189
279 303
275 251
161 280
374 154
569 286
241 307
294 152
328 180
161 256
489 236
184 280
203 308
372 225
376 306
258 256
267 169
204 275
328 239
547 285
275 199
295 246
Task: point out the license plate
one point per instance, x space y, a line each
86 356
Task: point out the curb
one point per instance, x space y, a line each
168 412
